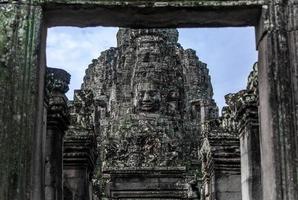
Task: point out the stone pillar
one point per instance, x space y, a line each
21 102
277 61
250 148
80 148
57 122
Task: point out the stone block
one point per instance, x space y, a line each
228 196
228 183
76 183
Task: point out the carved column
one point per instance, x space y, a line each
208 187
247 115
57 122
80 153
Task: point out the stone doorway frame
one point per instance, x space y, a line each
276 26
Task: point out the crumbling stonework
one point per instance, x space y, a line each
80 150
220 156
247 117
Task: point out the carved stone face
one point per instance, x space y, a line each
172 101
147 97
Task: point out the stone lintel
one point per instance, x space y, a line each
147 14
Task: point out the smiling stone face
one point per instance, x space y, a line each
147 98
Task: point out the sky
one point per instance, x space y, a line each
229 53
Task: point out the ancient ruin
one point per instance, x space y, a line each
146 110
54 149
151 94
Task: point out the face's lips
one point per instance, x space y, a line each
147 105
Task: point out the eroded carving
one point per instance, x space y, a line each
153 97
147 97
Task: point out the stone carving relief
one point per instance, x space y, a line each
82 109
138 143
173 102
146 87
147 97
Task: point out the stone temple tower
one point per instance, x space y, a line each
152 96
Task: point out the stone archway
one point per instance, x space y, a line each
22 47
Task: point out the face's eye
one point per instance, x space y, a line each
152 93
141 93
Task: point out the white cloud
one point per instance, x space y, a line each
73 49
229 53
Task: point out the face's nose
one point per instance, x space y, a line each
146 97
